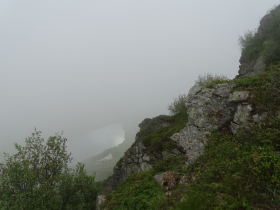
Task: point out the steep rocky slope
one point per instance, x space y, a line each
259 48
222 151
208 109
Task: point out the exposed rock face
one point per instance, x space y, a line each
99 200
252 67
208 109
139 158
135 160
238 96
258 117
241 117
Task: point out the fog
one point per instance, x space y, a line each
78 66
96 141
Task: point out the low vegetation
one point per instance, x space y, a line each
209 80
158 139
178 105
141 191
235 171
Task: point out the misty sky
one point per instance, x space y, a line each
76 66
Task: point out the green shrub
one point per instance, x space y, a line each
178 105
209 80
250 44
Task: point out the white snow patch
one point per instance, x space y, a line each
108 157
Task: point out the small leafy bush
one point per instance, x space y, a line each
209 80
250 44
178 105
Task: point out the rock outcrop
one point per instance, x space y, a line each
140 158
99 200
252 67
208 109
265 33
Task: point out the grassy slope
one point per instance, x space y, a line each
235 172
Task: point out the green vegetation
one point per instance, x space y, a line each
264 88
172 163
265 41
157 132
251 44
138 192
37 177
235 171
141 191
209 80
178 105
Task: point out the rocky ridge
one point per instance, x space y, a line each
257 62
208 109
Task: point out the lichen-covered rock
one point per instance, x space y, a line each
241 117
238 96
192 92
135 160
208 110
234 127
258 117
99 200
159 178
242 114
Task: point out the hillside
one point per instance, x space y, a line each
221 150
103 163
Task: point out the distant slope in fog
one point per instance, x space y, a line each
104 168
95 141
